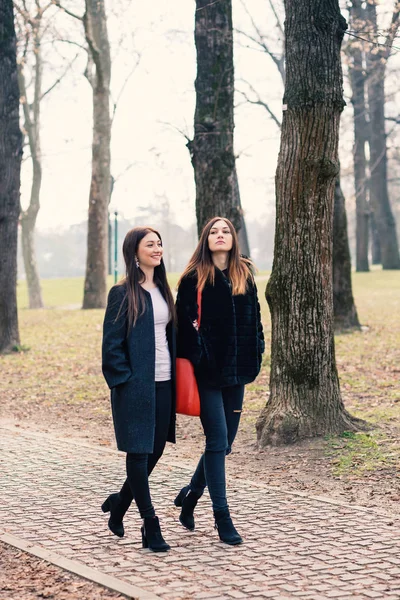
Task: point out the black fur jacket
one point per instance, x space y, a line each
227 348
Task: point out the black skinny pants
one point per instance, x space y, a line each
140 466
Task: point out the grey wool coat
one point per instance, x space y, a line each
128 364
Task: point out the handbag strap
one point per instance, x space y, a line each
199 305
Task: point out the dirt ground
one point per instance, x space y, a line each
25 577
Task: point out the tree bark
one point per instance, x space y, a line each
357 80
344 309
242 233
211 149
305 397
380 202
10 173
98 74
376 258
32 127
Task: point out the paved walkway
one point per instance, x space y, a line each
295 546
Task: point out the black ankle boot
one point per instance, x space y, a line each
187 499
226 530
113 506
152 537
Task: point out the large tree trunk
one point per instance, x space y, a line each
98 73
344 309
357 79
32 128
211 150
10 170
380 203
305 396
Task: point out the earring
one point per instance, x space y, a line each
137 262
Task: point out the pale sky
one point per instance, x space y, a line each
158 101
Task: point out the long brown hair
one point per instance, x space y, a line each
135 295
240 268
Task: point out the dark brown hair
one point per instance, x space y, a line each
240 269
135 295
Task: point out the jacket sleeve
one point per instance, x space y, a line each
115 361
189 340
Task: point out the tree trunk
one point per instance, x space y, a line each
375 243
244 245
380 203
357 80
211 149
305 396
344 309
10 169
29 216
98 73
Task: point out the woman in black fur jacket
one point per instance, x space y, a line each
226 353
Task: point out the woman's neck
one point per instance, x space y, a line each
148 283
220 260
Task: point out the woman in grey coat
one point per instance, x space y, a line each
138 361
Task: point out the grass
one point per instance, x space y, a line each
356 454
61 293
58 366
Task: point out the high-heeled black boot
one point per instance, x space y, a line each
226 530
152 537
113 506
187 499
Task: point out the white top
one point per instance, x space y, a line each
161 319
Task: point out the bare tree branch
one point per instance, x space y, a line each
68 12
115 104
394 27
60 78
260 102
261 41
278 21
187 138
72 43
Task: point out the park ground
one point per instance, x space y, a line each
54 384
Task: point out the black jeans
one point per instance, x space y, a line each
139 466
220 415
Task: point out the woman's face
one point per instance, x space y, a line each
150 251
220 237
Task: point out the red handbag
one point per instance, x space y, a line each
187 393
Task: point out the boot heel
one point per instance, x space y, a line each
115 524
152 537
226 529
181 496
187 500
144 539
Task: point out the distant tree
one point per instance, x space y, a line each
10 169
357 73
212 150
29 19
305 397
98 74
35 31
377 58
344 308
